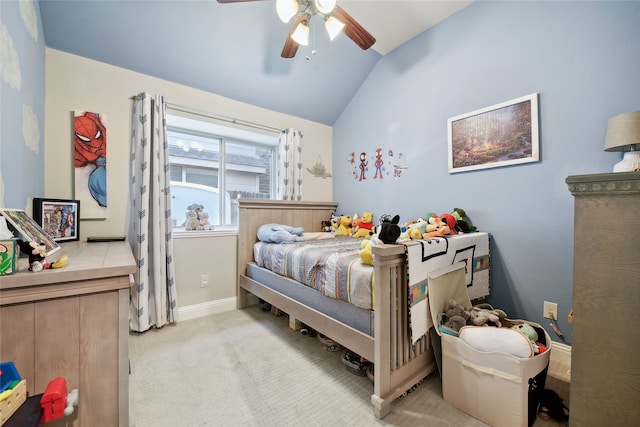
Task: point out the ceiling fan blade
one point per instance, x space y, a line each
353 29
290 45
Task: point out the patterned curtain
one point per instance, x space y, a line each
153 301
289 184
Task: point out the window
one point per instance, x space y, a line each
215 165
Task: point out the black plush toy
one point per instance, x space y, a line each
389 229
37 260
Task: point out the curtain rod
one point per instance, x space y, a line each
223 118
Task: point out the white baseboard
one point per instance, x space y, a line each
561 353
206 308
560 362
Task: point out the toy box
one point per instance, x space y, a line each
8 256
494 387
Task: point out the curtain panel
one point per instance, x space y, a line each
153 301
289 181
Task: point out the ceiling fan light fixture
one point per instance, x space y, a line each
286 9
324 6
333 26
301 33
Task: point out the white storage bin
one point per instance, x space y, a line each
495 387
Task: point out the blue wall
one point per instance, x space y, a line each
582 58
22 95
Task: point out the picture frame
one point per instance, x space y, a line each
59 218
500 135
24 225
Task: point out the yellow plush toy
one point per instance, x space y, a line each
344 226
365 227
414 230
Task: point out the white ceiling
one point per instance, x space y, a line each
394 22
233 49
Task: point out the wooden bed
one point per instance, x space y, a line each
399 365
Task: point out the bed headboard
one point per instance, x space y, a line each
255 212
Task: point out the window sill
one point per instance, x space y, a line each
180 233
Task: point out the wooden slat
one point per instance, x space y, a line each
99 356
57 332
17 340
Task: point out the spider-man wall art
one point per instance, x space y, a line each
90 161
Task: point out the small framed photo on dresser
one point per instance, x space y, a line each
59 218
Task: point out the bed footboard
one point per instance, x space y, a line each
399 364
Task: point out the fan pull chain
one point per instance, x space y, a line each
312 42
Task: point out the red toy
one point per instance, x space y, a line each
54 400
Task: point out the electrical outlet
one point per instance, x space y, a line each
204 280
550 310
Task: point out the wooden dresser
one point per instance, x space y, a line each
73 323
605 354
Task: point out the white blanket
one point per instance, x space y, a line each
424 256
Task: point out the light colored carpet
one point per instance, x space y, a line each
247 368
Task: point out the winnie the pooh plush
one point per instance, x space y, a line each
365 226
344 226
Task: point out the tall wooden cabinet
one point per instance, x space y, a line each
605 354
73 323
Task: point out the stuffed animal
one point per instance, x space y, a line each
388 233
450 220
366 255
436 228
344 226
527 330
389 229
413 230
364 227
455 316
191 223
203 221
279 233
334 222
196 207
481 316
463 223
37 260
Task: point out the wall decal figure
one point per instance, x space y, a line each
379 163
363 165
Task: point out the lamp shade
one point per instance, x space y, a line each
333 26
301 33
623 132
286 9
324 6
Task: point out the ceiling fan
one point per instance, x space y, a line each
335 21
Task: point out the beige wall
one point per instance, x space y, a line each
77 83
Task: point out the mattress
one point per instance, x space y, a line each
357 318
330 266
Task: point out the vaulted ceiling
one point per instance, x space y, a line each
234 49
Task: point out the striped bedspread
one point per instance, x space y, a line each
331 266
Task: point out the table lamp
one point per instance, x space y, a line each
623 134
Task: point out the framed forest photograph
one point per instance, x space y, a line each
500 135
59 218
